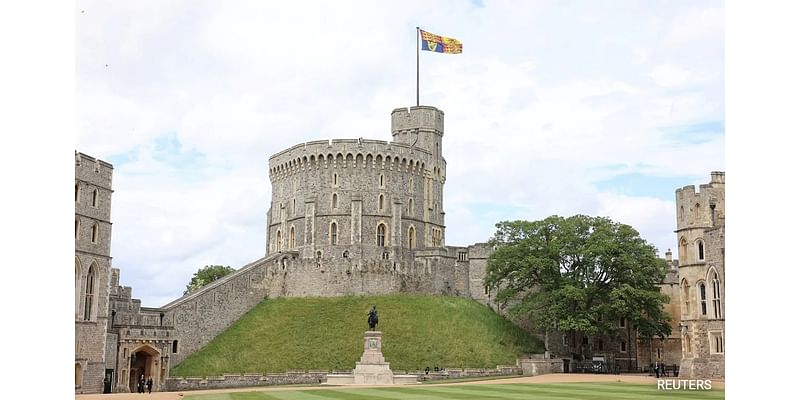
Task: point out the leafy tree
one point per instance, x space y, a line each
580 274
206 275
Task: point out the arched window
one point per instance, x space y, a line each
697 213
292 242
686 301
687 345
294 207
410 185
335 179
380 202
683 251
77 287
381 180
77 228
278 241
412 237
411 206
334 233
701 254
701 287
77 192
95 233
682 216
334 201
716 295
381 236
88 301
94 198
78 375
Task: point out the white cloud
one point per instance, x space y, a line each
669 75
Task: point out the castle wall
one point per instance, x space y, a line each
201 316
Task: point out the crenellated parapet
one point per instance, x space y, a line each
348 153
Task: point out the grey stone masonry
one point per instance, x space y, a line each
92 270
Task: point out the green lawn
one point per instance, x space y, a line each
561 391
284 334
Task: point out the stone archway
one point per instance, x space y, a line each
143 362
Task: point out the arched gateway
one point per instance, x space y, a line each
143 362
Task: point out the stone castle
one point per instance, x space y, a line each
347 217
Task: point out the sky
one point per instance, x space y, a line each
554 107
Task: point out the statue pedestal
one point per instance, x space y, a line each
372 369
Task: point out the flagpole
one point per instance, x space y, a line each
417 66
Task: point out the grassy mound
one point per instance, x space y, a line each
327 334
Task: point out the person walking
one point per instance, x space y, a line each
149 385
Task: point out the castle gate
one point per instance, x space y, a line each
143 362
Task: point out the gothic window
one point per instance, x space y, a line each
622 322
77 228
95 232
77 192
682 214
335 179
683 251
411 207
78 375
88 301
334 233
685 292
94 198
716 295
717 346
381 235
381 182
702 289
697 213
77 287
294 207
380 202
701 255
687 344
334 201
412 234
462 256
623 347
410 185
563 338
278 241
292 242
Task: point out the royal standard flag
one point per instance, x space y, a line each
439 44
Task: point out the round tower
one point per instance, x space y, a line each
359 199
